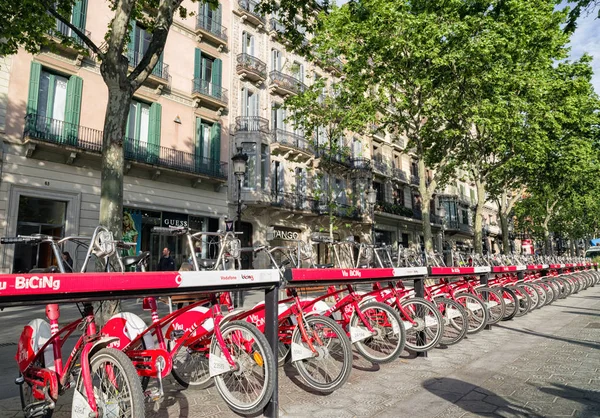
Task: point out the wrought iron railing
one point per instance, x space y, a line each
292 139
248 62
360 163
210 25
414 180
395 209
339 209
160 70
62 133
251 124
340 156
381 166
209 89
286 82
294 201
251 7
62 29
399 174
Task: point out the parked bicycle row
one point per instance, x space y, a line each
210 341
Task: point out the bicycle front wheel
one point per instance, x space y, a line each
388 341
248 387
456 321
329 368
476 311
117 387
423 322
494 303
190 365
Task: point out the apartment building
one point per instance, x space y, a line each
52 108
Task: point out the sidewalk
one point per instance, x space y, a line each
544 364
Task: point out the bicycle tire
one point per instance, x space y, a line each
524 301
190 365
253 358
476 311
426 322
494 302
337 349
116 364
510 301
456 321
390 339
533 295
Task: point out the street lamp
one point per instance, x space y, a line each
239 169
372 199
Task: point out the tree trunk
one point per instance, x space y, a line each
111 186
547 240
478 228
425 204
504 226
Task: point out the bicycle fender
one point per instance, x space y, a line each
126 326
101 343
232 316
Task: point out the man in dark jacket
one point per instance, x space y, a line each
166 262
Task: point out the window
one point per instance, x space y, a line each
208 146
249 148
298 71
465 217
379 188
301 182
247 43
278 115
209 17
143 130
340 191
264 163
275 60
462 189
320 137
414 168
249 103
397 161
356 148
53 105
207 75
277 178
472 192
139 41
399 197
78 17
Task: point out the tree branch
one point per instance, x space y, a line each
164 19
75 29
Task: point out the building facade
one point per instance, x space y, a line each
219 87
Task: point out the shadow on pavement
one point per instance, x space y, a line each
589 399
582 313
552 337
577 307
290 371
475 399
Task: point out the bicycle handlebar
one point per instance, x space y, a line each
21 240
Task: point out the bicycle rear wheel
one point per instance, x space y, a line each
329 369
117 386
494 303
456 321
423 322
511 303
390 338
248 388
476 311
190 365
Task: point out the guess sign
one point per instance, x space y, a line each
175 219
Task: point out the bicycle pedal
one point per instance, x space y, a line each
19 380
153 395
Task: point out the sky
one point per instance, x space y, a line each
585 39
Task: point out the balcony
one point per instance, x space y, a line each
210 95
247 10
291 145
63 31
208 28
251 68
276 27
399 175
74 139
414 180
251 124
380 166
360 163
340 158
293 201
342 210
160 74
284 84
394 209
458 227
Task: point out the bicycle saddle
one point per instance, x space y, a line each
206 263
132 260
324 266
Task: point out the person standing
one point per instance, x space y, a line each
166 262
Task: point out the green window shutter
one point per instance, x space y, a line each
215 144
78 15
197 66
34 87
216 78
132 42
154 131
218 14
73 109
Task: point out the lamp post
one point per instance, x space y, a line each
372 199
239 169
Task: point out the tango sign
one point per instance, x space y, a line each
286 234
